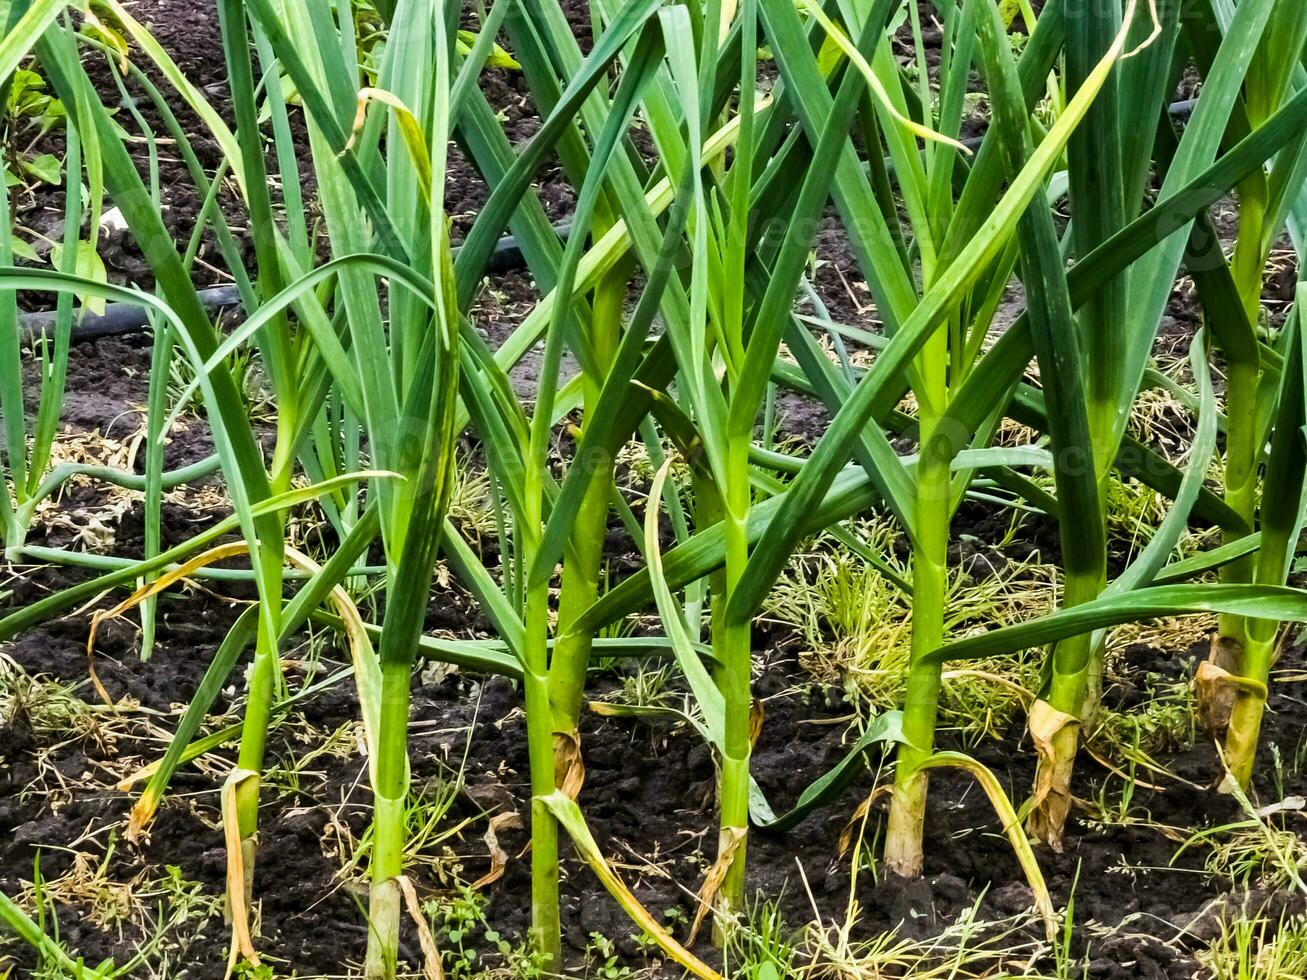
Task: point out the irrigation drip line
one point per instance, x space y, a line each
125 318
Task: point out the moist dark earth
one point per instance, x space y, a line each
1141 911
648 793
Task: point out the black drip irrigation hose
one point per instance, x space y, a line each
125 318
117 318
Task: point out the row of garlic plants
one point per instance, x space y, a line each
675 295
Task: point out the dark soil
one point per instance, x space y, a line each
649 793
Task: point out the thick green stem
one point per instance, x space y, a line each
580 588
581 568
1073 697
905 832
733 647
1280 522
546 922
1243 447
904 836
1249 260
254 734
1241 455
390 796
1215 702
553 706
1242 450
265 669
736 646
15 536
1250 702
1243 735
555 685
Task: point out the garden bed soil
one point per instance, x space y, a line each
648 795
